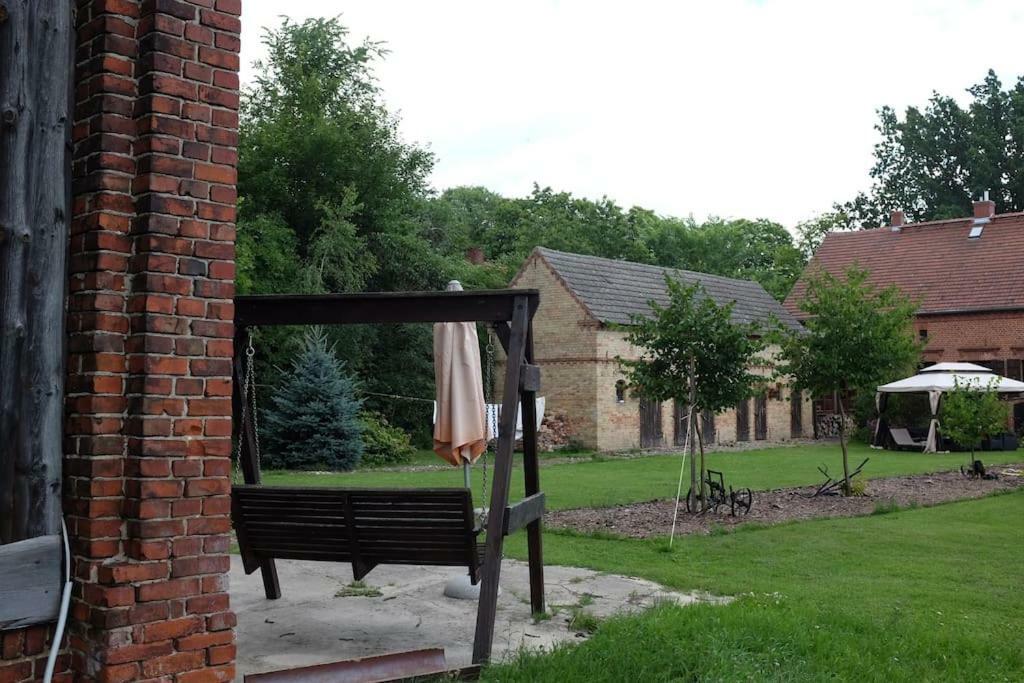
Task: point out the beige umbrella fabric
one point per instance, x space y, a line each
460 430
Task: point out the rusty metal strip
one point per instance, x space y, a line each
395 666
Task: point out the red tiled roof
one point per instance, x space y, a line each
934 263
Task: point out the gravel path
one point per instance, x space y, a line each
654 518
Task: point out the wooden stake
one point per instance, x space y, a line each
694 482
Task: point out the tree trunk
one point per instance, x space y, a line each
847 490
36 62
703 474
693 435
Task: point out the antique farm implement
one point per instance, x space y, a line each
832 487
738 500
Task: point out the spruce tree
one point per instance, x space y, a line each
313 418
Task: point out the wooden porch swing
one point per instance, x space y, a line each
369 527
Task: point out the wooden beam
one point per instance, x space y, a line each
531 474
502 332
36 63
488 602
381 307
30 581
522 513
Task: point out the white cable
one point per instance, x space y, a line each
682 468
65 603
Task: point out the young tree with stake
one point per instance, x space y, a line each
972 412
692 352
855 338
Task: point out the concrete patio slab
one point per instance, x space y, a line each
312 624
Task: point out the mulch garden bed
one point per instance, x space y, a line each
654 518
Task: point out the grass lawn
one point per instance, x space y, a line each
929 594
611 480
426 457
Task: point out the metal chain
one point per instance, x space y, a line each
250 384
248 404
489 399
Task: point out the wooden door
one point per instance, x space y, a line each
761 417
796 414
707 427
650 424
680 422
743 420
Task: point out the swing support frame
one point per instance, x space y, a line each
510 314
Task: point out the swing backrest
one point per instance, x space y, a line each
366 527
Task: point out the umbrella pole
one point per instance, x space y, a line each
460 586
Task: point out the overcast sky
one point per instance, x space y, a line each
738 109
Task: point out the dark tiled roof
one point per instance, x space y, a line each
933 263
613 291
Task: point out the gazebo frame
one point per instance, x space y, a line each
510 314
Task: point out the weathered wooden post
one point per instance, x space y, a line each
36 66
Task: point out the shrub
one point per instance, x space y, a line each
313 418
858 487
383 443
582 621
972 412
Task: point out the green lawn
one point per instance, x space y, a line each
919 595
428 458
612 480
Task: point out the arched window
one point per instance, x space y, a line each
620 391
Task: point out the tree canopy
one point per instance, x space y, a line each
692 352
971 412
692 327
933 161
332 199
856 338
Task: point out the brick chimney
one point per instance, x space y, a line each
475 255
897 219
984 208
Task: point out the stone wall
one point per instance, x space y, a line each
148 434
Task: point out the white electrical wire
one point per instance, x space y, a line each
65 603
682 469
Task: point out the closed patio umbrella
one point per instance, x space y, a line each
460 430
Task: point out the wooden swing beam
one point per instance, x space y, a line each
510 312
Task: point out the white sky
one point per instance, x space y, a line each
741 109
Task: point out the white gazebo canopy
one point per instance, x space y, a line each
935 380
943 377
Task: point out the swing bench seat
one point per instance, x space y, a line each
365 527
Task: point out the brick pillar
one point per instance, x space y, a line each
150 328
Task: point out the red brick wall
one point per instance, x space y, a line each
973 337
147 467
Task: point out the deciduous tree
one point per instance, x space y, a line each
856 337
972 412
692 352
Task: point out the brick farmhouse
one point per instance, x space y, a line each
967 275
578 336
